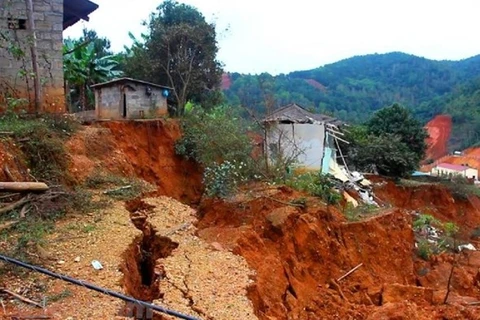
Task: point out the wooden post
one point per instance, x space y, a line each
33 50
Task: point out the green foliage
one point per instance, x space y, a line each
361 211
218 140
386 154
460 187
42 142
391 143
398 121
425 220
317 185
210 137
354 88
120 188
179 50
424 250
87 61
451 229
427 247
222 180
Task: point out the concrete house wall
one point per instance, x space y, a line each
48 16
470 173
129 101
302 139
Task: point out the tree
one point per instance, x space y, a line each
180 51
391 143
398 121
101 45
82 68
385 154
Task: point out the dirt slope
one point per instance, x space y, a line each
144 149
288 259
436 200
299 253
439 130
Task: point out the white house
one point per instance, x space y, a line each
295 133
447 169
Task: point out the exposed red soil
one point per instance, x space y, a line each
137 148
316 84
469 157
226 81
436 200
298 253
12 164
439 130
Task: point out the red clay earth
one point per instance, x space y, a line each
469 157
436 200
145 149
298 253
226 81
439 129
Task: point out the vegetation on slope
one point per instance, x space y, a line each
352 89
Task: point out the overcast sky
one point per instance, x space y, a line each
281 36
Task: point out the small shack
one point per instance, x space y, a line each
292 132
126 98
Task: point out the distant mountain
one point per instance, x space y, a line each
354 88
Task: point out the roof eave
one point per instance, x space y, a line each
76 10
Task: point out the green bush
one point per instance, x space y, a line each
317 185
423 250
218 140
42 142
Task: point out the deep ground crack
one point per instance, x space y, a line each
186 291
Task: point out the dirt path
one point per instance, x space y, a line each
200 279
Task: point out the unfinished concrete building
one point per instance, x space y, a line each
50 18
293 133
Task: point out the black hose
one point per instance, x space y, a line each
98 289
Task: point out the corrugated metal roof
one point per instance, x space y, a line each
124 80
454 167
293 113
76 10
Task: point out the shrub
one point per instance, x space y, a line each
423 250
218 139
316 184
354 214
221 180
42 142
136 187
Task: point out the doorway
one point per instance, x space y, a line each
124 109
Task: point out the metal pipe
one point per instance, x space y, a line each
98 289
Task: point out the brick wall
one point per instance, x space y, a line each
15 72
109 102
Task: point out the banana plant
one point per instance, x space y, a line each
82 68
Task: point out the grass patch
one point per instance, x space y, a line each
42 142
360 212
59 296
433 236
315 184
118 187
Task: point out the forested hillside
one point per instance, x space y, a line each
354 88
